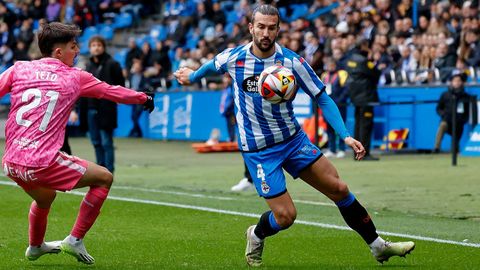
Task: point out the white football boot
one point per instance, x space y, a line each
254 249
33 253
389 249
76 248
243 185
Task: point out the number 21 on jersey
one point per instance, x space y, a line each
37 97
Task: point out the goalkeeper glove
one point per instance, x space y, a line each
149 105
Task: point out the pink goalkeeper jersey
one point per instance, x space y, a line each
43 93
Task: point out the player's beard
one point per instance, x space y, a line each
262 45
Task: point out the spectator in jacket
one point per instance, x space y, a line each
362 86
445 61
102 114
445 108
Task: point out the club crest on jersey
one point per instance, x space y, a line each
265 187
250 84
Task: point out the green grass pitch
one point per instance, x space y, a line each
171 208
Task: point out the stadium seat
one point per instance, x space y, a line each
84 47
35 24
106 32
123 20
121 56
192 42
88 33
158 32
229 27
299 10
145 38
283 13
231 16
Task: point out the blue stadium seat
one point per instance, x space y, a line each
145 38
123 20
299 10
106 32
159 32
121 56
283 13
35 24
229 27
192 42
84 47
88 33
231 16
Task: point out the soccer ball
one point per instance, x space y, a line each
277 84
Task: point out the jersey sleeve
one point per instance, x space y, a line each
206 69
332 114
6 81
306 77
221 60
94 88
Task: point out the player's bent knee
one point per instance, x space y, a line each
342 189
46 200
105 178
286 217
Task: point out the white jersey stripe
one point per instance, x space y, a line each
71 165
250 106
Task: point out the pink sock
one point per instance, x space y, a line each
37 224
89 210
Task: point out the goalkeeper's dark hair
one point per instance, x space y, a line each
55 33
266 10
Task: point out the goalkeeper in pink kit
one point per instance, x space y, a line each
43 92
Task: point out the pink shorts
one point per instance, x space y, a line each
62 174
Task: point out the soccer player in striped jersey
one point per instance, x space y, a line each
43 93
270 138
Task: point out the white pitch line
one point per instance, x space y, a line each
236 213
199 195
196 195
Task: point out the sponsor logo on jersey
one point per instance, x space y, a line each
308 150
250 84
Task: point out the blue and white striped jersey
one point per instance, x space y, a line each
261 123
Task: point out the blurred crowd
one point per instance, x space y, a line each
410 45
21 19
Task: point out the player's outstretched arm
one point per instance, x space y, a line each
94 88
331 113
186 76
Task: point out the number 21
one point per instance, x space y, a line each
37 97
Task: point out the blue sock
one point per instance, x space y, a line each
273 222
347 201
267 226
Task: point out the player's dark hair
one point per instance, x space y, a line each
98 39
266 10
55 33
